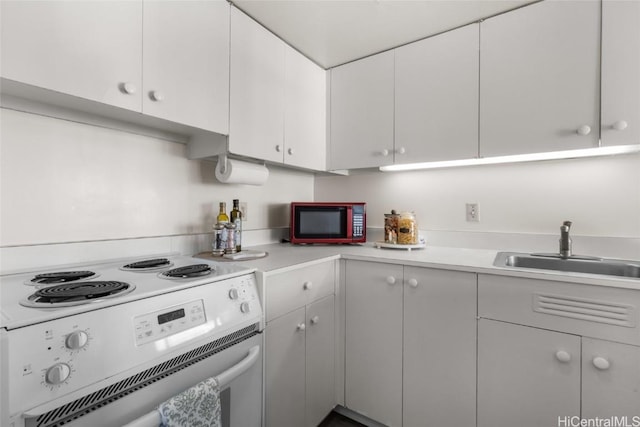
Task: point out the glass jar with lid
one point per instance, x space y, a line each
407 229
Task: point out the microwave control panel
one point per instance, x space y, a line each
358 221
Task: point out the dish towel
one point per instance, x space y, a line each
198 406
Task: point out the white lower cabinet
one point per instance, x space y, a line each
553 353
300 347
410 345
526 376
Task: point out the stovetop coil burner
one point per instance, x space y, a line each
58 277
149 264
188 271
77 293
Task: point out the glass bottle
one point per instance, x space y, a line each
236 218
222 216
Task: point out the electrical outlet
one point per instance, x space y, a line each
473 214
243 210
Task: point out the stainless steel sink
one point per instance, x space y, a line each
574 264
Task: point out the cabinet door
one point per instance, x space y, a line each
436 97
610 380
539 75
305 116
285 370
320 360
85 49
186 62
373 359
439 369
620 71
521 378
256 122
362 113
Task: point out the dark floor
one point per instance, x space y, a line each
336 420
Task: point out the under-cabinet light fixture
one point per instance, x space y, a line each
554 155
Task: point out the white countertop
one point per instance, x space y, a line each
284 256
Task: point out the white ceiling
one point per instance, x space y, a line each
332 32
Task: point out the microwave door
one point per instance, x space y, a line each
322 223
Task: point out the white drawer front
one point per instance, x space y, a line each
285 292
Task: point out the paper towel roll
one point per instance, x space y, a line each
239 172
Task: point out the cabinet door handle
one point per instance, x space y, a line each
620 125
156 96
385 152
301 327
563 356
315 319
401 150
584 130
278 148
307 286
391 280
601 363
290 151
413 283
127 88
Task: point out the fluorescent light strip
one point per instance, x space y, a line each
554 155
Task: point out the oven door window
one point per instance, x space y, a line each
321 222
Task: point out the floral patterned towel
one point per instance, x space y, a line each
198 406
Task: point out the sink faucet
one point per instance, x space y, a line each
565 240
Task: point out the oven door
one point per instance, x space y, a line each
239 372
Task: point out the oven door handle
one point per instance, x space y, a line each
152 419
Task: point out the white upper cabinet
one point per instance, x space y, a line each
256 127
362 113
186 62
539 78
305 114
278 99
620 72
91 50
436 97
165 59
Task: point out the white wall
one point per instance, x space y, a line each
600 195
63 181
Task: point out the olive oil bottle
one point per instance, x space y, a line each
236 218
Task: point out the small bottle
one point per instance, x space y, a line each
219 239
222 216
231 238
236 218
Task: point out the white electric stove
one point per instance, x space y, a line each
105 343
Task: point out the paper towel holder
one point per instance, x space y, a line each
223 158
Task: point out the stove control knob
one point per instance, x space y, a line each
233 293
244 307
58 373
76 340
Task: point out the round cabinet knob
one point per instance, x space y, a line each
563 356
601 363
233 293
58 373
391 280
584 130
385 152
156 96
401 150
301 327
290 151
315 319
620 125
413 283
278 148
244 307
127 88
76 340
307 286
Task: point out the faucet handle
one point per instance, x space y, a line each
567 224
